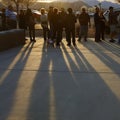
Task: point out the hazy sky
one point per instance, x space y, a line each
76 0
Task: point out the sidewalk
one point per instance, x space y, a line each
66 83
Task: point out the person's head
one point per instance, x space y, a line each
10 7
51 8
42 10
62 10
3 10
111 9
21 11
69 10
83 10
97 9
29 11
55 10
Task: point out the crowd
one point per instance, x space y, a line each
55 21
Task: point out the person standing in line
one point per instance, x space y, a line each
3 18
118 18
56 26
97 24
112 22
102 25
31 24
70 27
84 20
22 21
61 23
50 20
44 24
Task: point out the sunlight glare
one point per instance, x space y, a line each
47 1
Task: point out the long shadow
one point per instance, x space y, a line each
89 99
10 84
61 90
107 55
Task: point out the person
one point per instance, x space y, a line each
61 22
56 26
84 20
70 27
11 18
118 18
50 20
97 24
112 22
3 17
31 24
102 25
44 24
22 21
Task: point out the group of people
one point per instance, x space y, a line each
60 20
55 21
101 22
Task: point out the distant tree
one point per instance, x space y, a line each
118 1
18 2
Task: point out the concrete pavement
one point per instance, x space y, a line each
66 83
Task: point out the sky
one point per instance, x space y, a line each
76 0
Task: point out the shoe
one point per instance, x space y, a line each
58 44
34 40
112 40
74 44
79 40
68 44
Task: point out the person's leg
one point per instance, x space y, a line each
44 33
112 33
97 33
73 37
30 32
80 33
119 39
68 36
85 32
33 33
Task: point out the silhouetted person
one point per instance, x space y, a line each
50 19
97 24
70 27
22 20
3 17
31 24
102 25
112 23
84 20
62 22
44 24
56 27
119 28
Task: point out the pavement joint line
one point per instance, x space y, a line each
62 71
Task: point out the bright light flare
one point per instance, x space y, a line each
45 1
